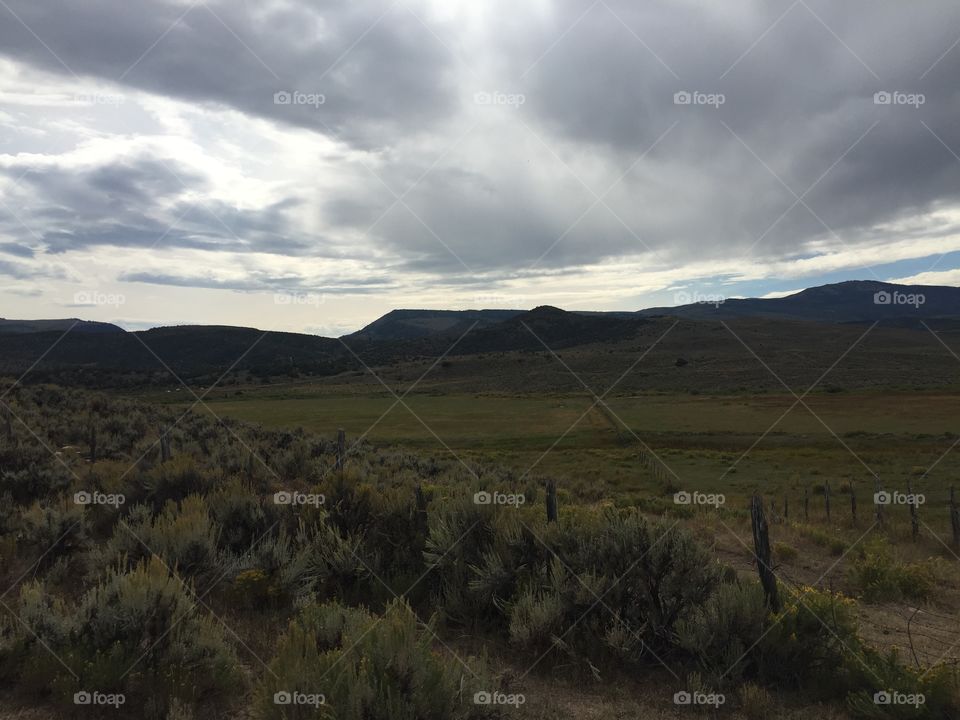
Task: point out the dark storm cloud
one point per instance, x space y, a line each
260 282
599 81
16 249
380 71
798 152
144 202
797 102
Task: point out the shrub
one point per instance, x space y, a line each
756 703
616 577
882 578
183 535
55 530
723 632
810 641
784 552
241 515
367 668
138 633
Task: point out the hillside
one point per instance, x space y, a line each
856 301
73 324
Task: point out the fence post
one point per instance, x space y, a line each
853 503
164 444
341 448
826 498
552 510
806 504
421 499
761 545
954 518
876 502
914 520
786 508
93 440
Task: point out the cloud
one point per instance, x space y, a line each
260 282
519 149
381 72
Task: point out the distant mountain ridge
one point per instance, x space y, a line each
412 324
77 325
854 301
98 353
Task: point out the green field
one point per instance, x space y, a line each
841 437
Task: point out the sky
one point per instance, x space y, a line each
308 165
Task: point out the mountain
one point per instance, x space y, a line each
101 354
194 352
78 326
855 301
412 324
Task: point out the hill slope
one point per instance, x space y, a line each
856 301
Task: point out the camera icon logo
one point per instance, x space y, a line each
282 698
482 498
882 98
682 498
82 498
682 98
482 698
282 98
882 498
682 698
882 298
882 698
82 698
283 498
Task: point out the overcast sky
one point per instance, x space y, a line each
308 165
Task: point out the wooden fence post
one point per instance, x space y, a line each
826 498
786 508
761 545
164 445
954 519
93 440
853 503
878 506
806 504
421 500
914 520
552 510
341 448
